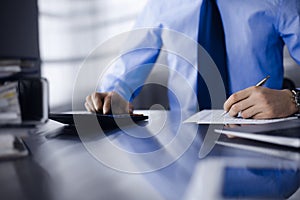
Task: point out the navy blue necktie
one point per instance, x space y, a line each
211 38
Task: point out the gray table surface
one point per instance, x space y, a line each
154 160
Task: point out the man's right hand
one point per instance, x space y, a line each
107 102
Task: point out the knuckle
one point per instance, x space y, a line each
226 104
260 96
235 108
97 97
94 95
245 115
234 97
110 94
87 98
264 101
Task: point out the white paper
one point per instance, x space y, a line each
281 140
217 117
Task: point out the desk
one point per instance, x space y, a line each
62 168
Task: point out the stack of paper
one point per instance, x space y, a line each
10 112
284 133
9 68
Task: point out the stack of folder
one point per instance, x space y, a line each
10 112
281 139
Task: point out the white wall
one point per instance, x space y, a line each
70 29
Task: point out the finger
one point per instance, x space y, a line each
87 107
262 112
89 103
97 101
250 112
260 115
236 97
107 104
230 136
240 106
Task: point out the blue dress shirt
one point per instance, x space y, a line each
255 33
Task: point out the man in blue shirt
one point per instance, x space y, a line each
255 33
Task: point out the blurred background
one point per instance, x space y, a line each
71 29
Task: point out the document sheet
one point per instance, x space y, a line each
218 117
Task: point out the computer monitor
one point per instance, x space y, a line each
19 30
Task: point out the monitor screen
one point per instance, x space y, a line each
19 29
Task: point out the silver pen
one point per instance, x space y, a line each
262 82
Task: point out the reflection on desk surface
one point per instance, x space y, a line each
153 161
228 178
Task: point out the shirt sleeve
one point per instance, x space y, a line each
289 26
127 75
